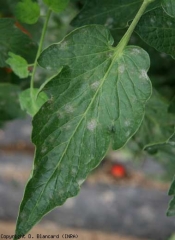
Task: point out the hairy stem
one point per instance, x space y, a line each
38 54
124 41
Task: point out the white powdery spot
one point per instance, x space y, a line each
69 109
127 133
23 215
143 74
74 170
127 123
152 20
67 127
60 115
109 22
110 54
92 125
135 51
44 150
48 68
121 69
133 99
95 85
64 45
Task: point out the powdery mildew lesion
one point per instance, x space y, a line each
91 125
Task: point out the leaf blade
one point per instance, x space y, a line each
27 11
11 40
156 28
158 124
56 5
169 7
85 115
113 13
9 104
18 64
32 106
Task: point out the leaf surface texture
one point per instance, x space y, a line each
96 102
111 13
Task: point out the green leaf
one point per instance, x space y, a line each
56 5
157 29
27 11
29 105
13 40
111 13
158 124
169 7
18 64
9 103
171 107
164 146
96 102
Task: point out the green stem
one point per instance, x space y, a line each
124 41
38 54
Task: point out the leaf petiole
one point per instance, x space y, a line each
37 55
125 39
44 83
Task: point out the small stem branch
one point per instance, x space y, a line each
44 83
124 41
38 53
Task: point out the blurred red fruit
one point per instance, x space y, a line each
118 170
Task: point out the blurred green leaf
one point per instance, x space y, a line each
18 64
111 13
157 29
56 5
29 105
13 40
158 124
9 102
171 108
27 11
